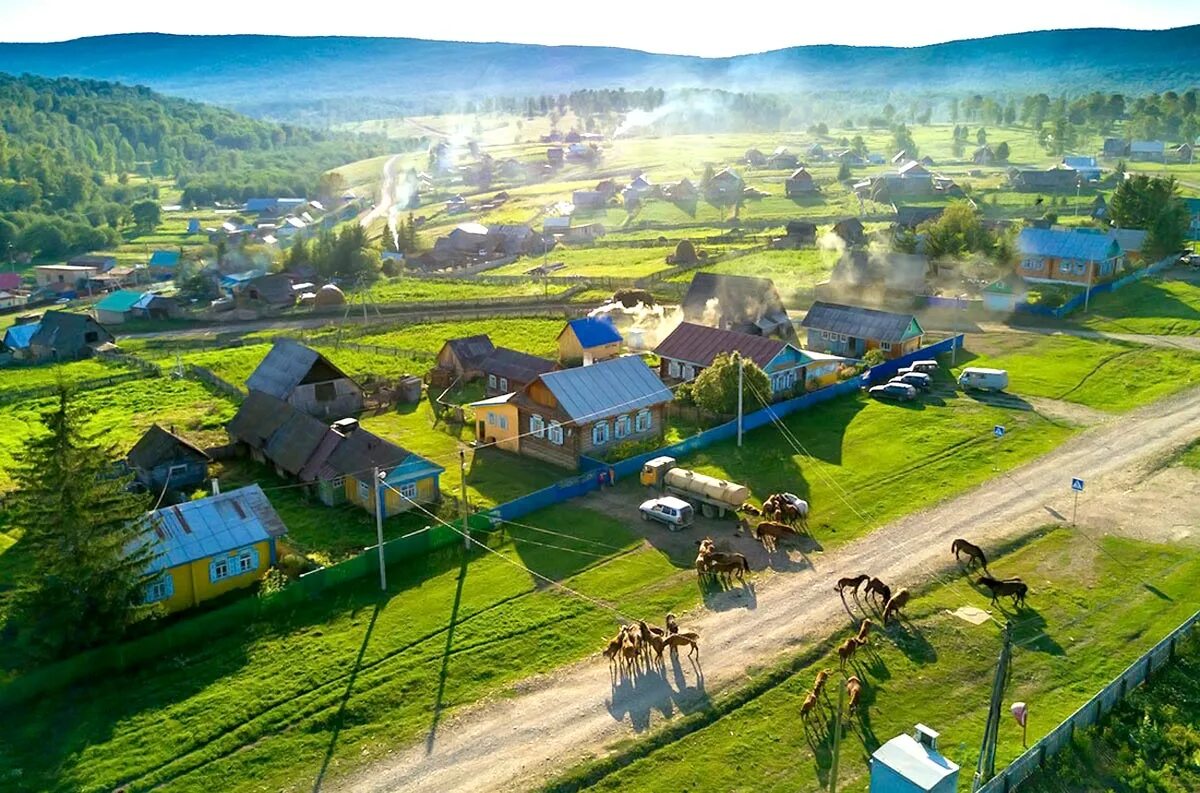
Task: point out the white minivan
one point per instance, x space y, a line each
980 379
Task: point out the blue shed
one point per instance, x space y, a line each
913 764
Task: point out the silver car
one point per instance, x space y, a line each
900 392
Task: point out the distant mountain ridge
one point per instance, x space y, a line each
254 71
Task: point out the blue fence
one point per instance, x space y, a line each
1077 302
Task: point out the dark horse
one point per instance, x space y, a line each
973 552
1013 587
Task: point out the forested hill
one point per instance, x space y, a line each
69 147
274 73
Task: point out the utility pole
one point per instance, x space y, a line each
1088 294
837 739
741 372
379 527
463 511
985 768
957 311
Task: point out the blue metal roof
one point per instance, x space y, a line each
17 337
209 526
164 258
619 385
594 332
120 301
1062 244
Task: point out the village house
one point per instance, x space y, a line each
208 547
116 307
725 186
1131 242
909 217
161 460
307 380
984 155
556 225
754 158
163 264
64 276
797 234
851 231
273 207
57 336
1148 151
267 291
508 370
684 191
460 359
800 183
852 331
555 156
588 232
1036 180
1114 148
690 349
1003 295
1185 152
816 151
101 262
589 199
155 306
1067 256
570 413
496 422
782 160
1087 167
587 340
1193 209
737 302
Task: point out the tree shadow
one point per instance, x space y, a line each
340 716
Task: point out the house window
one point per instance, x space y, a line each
886 346
642 421
622 427
491 381
325 392
91 337
218 570
1080 268
555 433
409 490
364 491
689 371
842 337
502 421
536 425
246 562
673 368
338 481
491 418
160 589
503 383
600 433
825 335
1031 264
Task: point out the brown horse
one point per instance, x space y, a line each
854 689
810 702
672 625
819 684
614 649
974 553
769 532
677 640
749 509
846 651
863 630
1013 587
876 588
894 604
732 565
852 583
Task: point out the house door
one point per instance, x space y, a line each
480 430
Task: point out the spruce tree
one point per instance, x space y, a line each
87 572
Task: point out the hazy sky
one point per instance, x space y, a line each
729 28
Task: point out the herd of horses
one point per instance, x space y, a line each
782 515
875 590
1013 588
639 643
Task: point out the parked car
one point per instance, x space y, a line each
925 367
982 379
900 392
674 512
918 380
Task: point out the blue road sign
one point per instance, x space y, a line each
1077 485
998 430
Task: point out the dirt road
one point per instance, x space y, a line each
558 720
387 193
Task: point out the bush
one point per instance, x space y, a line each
623 451
873 358
273 582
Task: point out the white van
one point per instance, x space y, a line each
982 379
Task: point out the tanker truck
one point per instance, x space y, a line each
713 496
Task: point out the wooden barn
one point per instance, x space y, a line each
306 380
162 460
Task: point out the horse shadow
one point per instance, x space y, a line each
911 642
872 663
638 695
818 737
718 596
1030 624
782 562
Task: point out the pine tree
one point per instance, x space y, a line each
87 571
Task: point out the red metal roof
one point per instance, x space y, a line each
700 344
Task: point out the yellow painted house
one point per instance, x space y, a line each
588 340
496 422
205 548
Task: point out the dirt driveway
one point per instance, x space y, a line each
560 719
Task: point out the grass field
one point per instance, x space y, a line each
27 378
1151 306
413 290
1105 375
1090 615
792 271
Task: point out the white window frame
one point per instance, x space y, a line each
504 384
491 381
408 490
502 422
600 433
673 368
218 564
338 482
886 346
688 371
643 421
491 418
554 433
622 427
160 589
245 563
843 338
537 426
364 490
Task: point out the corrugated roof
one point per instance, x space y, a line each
700 344
285 367
470 350
594 332
294 442
619 385
859 322
1064 244
515 365
363 450
120 301
164 258
1130 240
257 418
158 445
915 762
200 529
